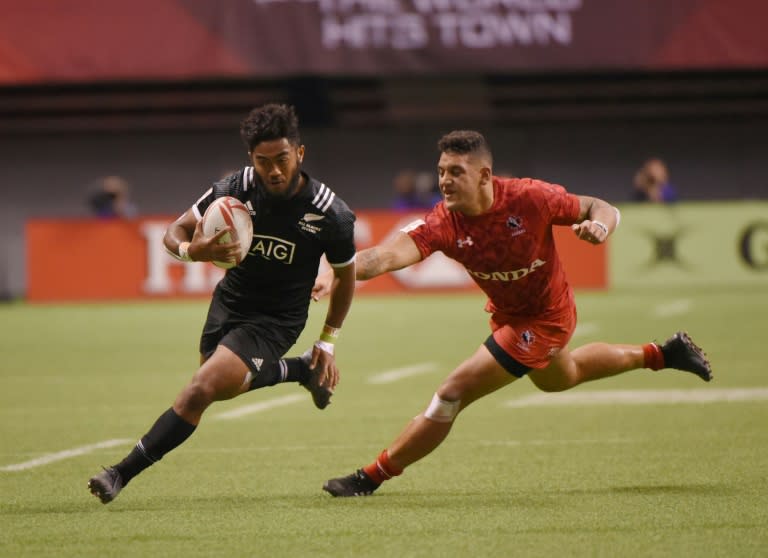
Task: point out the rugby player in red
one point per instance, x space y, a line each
501 231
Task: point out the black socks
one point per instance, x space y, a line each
169 431
269 373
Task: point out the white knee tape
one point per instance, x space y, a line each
442 411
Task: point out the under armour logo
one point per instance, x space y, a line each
462 242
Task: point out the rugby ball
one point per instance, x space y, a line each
229 212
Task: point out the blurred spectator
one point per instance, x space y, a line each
111 199
415 190
652 183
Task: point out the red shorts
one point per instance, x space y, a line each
531 341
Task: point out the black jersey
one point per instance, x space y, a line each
289 238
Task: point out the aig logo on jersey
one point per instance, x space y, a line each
273 248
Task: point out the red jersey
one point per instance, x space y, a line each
509 250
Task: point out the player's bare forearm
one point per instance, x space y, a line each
342 292
179 231
189 231
598 219
598 210
394 254
369 264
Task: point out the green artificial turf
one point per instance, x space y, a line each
585 479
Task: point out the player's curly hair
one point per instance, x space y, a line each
270 122
464 142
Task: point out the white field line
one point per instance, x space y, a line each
289 448
641 397
587 328
82 450
259 407
555 442
673 308
61 455
399 373
334 447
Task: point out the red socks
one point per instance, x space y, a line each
382 469
654 359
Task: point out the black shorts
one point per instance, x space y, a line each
506 360
251 337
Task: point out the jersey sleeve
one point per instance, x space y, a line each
231 185
430 233
202 203
340 246
558 205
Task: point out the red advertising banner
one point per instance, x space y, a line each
46 41
126 260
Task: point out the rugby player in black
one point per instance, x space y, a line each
261 305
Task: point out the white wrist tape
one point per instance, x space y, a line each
601 225
184 252
324 346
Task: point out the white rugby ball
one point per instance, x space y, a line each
229 212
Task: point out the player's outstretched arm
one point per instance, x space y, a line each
598 219
396 253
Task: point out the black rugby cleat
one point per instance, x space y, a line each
682 353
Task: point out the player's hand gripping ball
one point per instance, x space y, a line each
229 212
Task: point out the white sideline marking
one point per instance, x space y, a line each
554 442
61 455
398 373
640 397
585 329
75 452
673 308
258 407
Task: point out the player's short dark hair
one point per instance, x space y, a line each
270 122
465 142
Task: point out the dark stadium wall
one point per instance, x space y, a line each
52 174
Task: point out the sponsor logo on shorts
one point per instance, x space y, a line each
273 248
257 362
462 242
527 339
